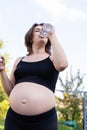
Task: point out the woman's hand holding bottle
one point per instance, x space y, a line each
2 63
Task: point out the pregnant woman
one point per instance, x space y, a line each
32 82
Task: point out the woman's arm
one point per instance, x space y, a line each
58 55
8 83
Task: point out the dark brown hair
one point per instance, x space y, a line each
29 36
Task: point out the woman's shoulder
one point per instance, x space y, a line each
18 59
51 58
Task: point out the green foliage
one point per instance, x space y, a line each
73 82
1 124
3 108
71 106
1 44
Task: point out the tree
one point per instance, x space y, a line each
73 82
71 106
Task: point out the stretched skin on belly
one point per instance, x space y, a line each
31 99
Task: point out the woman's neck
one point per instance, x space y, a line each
38 50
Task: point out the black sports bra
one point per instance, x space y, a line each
41 72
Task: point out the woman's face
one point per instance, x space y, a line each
36 35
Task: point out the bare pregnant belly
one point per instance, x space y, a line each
31 99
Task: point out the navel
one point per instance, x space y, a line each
24 100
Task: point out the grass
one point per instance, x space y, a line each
63 127
60 127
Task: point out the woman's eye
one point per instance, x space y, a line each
37 31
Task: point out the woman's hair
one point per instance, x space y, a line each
29 36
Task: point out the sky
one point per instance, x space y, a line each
69 17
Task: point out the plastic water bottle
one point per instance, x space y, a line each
46 28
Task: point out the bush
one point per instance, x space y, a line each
4 105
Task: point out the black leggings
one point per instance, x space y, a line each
44 121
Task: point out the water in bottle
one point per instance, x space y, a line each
46 28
